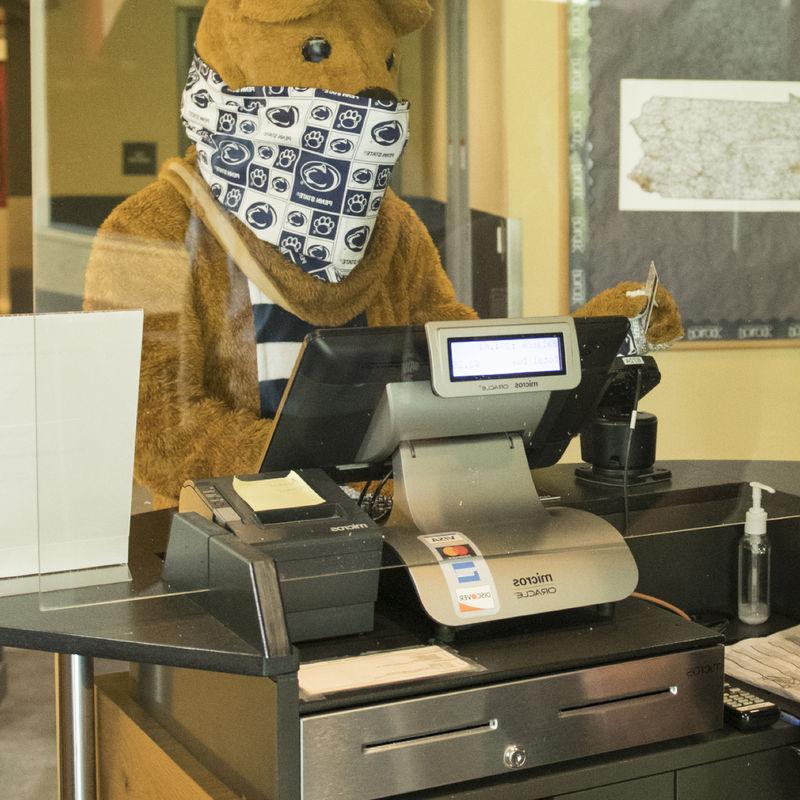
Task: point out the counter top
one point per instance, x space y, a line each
174 630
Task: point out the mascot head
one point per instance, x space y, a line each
338 45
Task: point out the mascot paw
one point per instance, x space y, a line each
628 299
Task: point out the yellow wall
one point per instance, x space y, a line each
724 403
126 92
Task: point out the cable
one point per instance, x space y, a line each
663 603
376 494
631 428
363 494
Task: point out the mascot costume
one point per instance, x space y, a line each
279 220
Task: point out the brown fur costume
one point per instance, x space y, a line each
199 409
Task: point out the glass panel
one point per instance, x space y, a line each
108 79
106 94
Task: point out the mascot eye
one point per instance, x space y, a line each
390 61
316 49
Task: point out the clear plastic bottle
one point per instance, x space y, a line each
754 553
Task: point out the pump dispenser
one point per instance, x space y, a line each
754 562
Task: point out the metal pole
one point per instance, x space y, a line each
458 217
76 745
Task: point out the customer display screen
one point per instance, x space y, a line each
478 358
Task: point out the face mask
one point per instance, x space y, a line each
304 169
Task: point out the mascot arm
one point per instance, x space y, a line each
183 431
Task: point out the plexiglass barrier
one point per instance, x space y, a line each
141 363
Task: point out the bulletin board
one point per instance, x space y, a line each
685 151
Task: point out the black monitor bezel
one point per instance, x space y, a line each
341 372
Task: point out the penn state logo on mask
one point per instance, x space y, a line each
362 176
304 169
387 134
320 176
357 239
231 160
261 216
283 116
341 146
202 99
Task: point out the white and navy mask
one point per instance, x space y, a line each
305 169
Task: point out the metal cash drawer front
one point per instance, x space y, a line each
410 745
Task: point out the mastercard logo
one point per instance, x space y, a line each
456 550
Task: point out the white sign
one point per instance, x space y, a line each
68 398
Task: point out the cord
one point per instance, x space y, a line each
663 603
363 494
375 496
631 428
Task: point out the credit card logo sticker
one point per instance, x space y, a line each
465 571
459 550
477 600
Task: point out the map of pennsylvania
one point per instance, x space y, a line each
719 149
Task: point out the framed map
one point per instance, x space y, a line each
685 150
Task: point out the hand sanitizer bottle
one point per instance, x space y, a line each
754 562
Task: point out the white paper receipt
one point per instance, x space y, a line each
321 678
272 494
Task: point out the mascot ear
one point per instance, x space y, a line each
280 11
407 15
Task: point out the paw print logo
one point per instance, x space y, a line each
357 204
258 177
248 127
350 119
233 198
280 185
323 226
313 140
286 159
292 243
382 181
227 122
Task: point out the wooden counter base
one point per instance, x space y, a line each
137 759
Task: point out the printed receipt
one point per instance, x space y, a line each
321 678
272 494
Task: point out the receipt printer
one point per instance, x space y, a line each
326 550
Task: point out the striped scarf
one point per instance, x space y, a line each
279 336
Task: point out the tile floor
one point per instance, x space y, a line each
27 728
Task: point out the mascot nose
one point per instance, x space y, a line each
378 93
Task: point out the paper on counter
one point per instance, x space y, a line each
272 494
321 678
771 662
